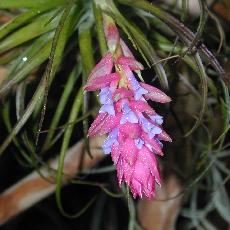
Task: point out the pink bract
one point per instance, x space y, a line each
104 67
101 82
155 94
103 124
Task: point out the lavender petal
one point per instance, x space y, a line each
129 117
139 143
107 109
105 96
157 118
154 131
139 92
110 140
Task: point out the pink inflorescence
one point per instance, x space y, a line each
133 127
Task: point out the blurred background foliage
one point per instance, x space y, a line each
47 50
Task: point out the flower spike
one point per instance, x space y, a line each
134 129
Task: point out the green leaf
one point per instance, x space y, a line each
204 87
9 57
55 58
86 49
201 26
224 108
185 34
32 52
37 27
32 62
7 122
65 144
226 105
6 4
61 129
167 46
62 103
59 41
220 197
16 22
87 59
37 96
20 100
99 28
20 20
105 169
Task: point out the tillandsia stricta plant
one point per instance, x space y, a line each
143 50
133 127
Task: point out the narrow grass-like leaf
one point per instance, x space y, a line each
167 46
207 224
20 100
193 207
28 111
184 7
111 194
7 4
181 30
62 103
30 52
227 104
37 27
61 35
223 154
62 130
7 122
96 220
194 181
219 28
31 63
16 22
86 49
86 52
204 87
132 211
39 94
65 144
20 20
105 169
99 29
222 167
9 57
200 29
220 198
224 108
205 82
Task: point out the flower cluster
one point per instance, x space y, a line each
133 127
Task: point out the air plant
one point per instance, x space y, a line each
142 53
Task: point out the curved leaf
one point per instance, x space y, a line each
204 86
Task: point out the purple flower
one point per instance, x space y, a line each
111 140
128 115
